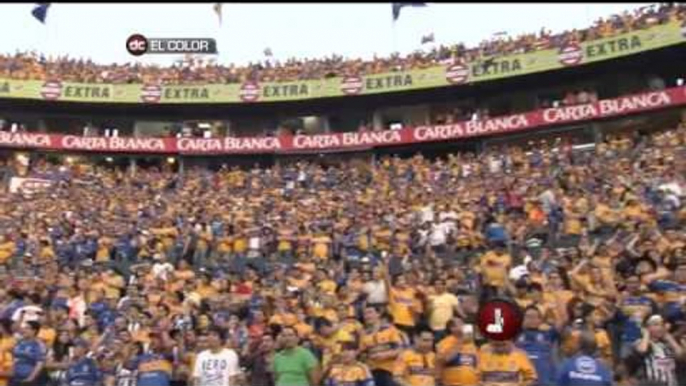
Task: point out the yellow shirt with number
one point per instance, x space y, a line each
355 374
460 370
494 268
402 304
507 369
332 345
415 368
387 338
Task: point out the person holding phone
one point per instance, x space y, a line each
456 359
656 354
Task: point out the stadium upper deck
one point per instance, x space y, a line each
34 77
507 91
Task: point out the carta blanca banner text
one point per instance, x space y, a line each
532 120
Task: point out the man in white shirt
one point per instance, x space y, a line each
30 312
162 269
216 366
438 235
376 291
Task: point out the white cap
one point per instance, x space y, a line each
518 272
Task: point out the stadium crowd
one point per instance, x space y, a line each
360 274
32 66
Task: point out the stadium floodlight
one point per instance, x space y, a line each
680 82
109 159
171 160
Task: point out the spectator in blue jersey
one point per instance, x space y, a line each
154 366
83 369
584 369
634 307
539 343
496 233
29 358
671 290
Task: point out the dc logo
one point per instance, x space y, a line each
499 320
137 44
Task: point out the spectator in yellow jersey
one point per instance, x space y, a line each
380 346
442 306
6 358
345 370
7 249
358 207
329 339
416 366
494 267
502 364
457 356
403 304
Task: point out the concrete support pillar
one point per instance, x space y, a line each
42 126
132 166
597 133
326 124
377 120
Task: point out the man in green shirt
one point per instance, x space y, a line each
294 365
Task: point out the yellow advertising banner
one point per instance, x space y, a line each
454 74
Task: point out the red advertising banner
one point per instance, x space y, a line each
349 141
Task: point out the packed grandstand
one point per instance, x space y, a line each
138 251
32 66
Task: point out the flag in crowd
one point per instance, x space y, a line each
40 12
218 10
428 38
398 6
